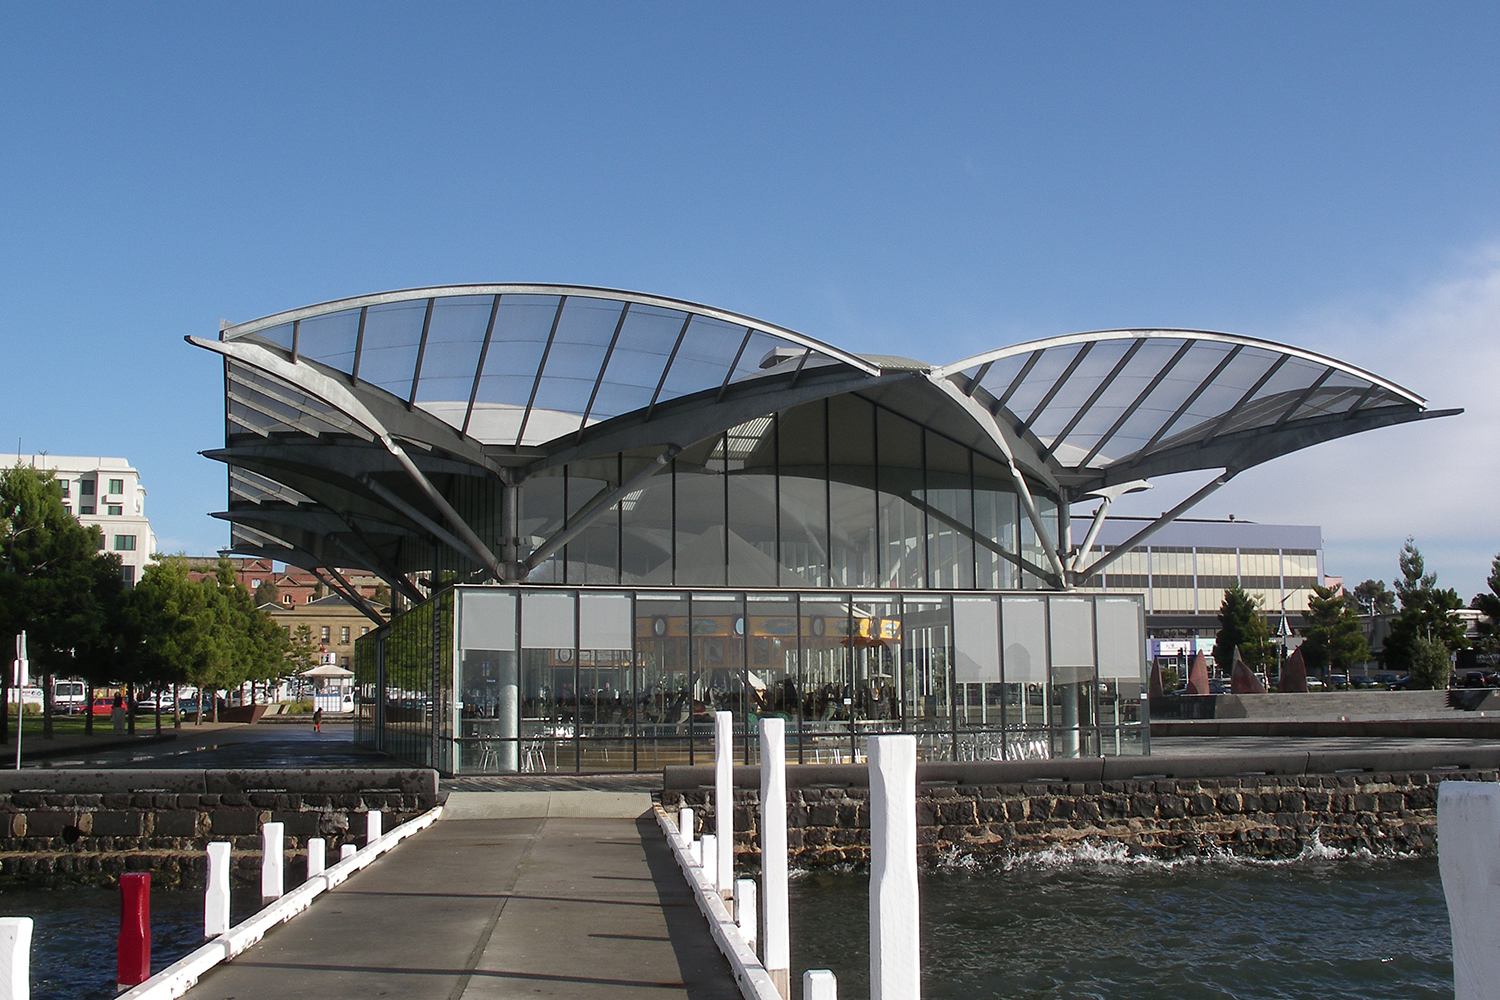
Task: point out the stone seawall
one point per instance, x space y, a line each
1268 806
61 826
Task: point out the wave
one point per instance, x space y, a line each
1092 853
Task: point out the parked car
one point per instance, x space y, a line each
1481 679
1338 681
102 706
1386 680
1363 682
1313 684
1402 683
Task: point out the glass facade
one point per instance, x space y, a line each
494 680
835 493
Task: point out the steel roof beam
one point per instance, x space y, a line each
484 350
1139 538
1249 395
603 367
1093 398
416 373
1136 403
1224 362
581 521
1062 380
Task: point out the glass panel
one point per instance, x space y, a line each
903 528
875 632
605 625
593 555
547 620
976 640
826 729
704 359
454 339
950 515
772 668
996 515
927 627
392 334
1031 546
330 339
281 336
540 500
750 461
1121 638
636 365
802 437
1076 391
663 679
719 674
761 345
700 509
573 365
1039 381
490 705
851 492
521 327
646 527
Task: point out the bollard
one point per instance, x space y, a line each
685 824
744 910
819 984
271 860
316 850
1468 817
724 802
372 826
776 953
895 961
695 851
710 860
216 896
347 851
15 958
133 966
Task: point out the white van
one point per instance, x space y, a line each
69 697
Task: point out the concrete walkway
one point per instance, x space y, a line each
580 900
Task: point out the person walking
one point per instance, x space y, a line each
317 720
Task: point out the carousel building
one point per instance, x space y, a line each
603 516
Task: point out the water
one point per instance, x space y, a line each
74 939
1092 925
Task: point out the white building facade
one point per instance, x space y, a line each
106 492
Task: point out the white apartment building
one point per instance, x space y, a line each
106 492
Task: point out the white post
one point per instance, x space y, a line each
819 984
685 824
316 853
372 826
695 851
724 801
15 958
744 910
777 951
216 897
710 859
895 961
1468 824
270 861
347 851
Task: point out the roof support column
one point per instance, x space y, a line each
1140 537
352 595
583 519
510 531
1093 532
468 543
1037 524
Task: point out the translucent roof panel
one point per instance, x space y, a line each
1093 400
526 364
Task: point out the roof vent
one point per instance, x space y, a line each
777 355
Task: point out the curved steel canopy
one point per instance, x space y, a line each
408 395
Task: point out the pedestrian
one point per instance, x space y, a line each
317 720
117 714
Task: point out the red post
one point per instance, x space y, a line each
134 966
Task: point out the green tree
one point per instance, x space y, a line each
382 596
1333 637
1372 597
56 583
303 652
1489 605
255 645
267 593
1430 665
1426 613
174 627
1242 625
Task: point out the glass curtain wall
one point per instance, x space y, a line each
839 493
572 680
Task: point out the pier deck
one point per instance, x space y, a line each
577 906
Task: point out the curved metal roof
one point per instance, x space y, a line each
1125 399
521 364
356 429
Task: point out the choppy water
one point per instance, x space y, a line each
73 945
1098 925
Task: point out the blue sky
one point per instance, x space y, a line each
927 180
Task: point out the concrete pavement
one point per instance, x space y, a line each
579 901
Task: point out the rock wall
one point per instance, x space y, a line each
61 826
1263 814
